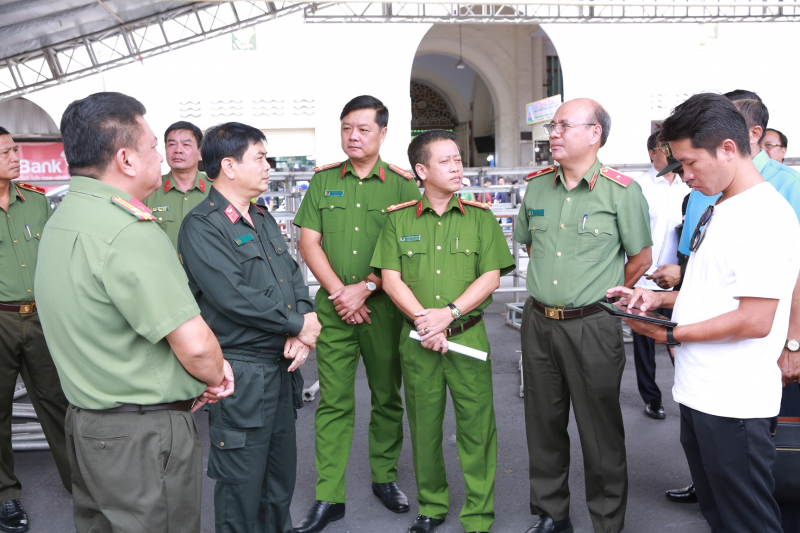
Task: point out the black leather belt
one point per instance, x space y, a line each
24 308
561 313
456 330
183 405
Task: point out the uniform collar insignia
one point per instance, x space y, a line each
19 193
419 208
344 170
594 180
201 184
166 185
382 175
460 206
231 213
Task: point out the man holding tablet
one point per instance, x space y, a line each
733 315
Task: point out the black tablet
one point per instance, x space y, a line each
621 310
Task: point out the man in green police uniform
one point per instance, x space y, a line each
578 220
441 258
341 217
184 186
22 346
125 333
254 297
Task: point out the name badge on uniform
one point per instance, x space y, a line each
334 193
536 212
409 238
243 239
160 209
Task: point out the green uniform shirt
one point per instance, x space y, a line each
110 288
249 288
440 256
350 212
169 205
572 262
20 232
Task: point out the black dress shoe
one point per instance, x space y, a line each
684 495
391 496
424 524
321 514
546 524
656 413
13 517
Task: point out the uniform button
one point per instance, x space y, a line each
37 235
410 253
562 226
15 241
354 277
437 296
268 257
361 183
281 281
185 199
331 207
289 306
358 205
438 271
383 210
160 219
356 228
569 199
596 231
102 444
29 290
221 444
440 223
211 204
533 228
559 254
438 247
467 250
555 282
23 265
355 252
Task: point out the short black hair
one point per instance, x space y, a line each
231 139
652 141
95 128
602 118
707 119
367 102
750 105
419 150
184 125
4 131
784 140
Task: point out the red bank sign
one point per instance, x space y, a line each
42 161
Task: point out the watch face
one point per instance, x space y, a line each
371 285
793 345
456 312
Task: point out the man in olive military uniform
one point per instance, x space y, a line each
341 217
126 335
254 297
184 186
441 258
578 220
22 346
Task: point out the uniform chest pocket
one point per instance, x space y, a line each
279 244
412 260
595 241
332 209
464 253
35 233
538 227
163 216
376 217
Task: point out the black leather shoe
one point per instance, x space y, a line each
655 413
546 524
684 495
424 524
13 517
391 496
321 514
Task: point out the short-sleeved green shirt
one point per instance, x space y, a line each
20 232
350 212
169 204
440 256
109 289
573 262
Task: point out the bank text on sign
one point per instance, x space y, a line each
42 161
542 110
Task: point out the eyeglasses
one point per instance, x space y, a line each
773 145
561 127
700 232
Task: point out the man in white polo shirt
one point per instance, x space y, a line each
733 316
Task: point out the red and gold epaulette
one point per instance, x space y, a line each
29 187
541 172
396 207
405 173
615 176
326 167
473 203
134 207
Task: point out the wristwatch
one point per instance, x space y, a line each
371 285
455 311
793 345
671 338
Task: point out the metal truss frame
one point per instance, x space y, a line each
553 11
132 41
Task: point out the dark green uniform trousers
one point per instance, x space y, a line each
253 455
427 376
23 351
338 348
134 472
581 360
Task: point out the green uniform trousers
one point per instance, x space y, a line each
578 359
134 472
427 375
253 455
23 351
338 348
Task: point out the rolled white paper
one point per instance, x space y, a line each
455 347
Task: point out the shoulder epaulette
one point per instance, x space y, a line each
473 203
541 172
326 167
405 173
29 187
142 213
617 177
396 207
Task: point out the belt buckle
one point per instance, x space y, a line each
27 309
556 313
448 332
